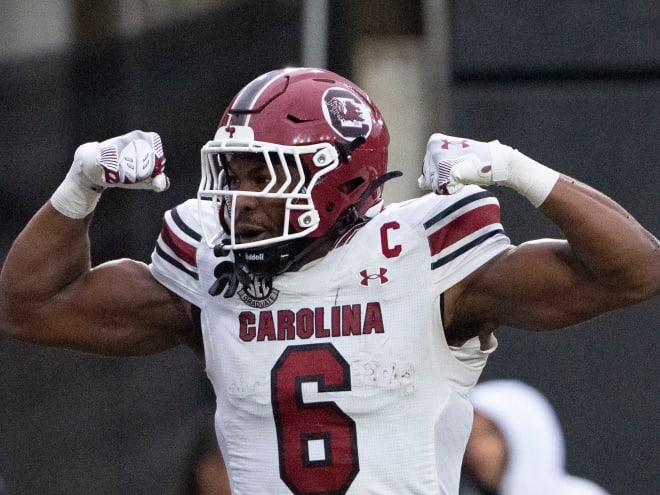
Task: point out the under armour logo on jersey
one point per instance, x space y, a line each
368 277
446 142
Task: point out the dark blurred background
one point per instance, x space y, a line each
574 84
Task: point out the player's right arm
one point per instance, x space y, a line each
51 295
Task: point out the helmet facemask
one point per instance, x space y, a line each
289 181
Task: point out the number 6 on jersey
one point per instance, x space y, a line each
317 441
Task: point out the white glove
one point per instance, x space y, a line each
450 163
132 161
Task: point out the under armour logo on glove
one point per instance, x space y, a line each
451 162
139 159
133 161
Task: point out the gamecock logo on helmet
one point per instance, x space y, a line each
348 115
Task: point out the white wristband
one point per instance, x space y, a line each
75 200
77 196
530 178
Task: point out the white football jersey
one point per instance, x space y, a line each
337 378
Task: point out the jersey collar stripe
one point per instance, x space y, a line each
184 227
166 257
180 248
462 226
455 206
463 249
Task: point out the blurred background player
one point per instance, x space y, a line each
516 446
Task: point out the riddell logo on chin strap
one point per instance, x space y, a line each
368 277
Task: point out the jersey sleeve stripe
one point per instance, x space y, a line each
184 227
456 206
179 247
465 248
462 226
174 262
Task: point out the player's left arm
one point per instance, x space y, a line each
607 260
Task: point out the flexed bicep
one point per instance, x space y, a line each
117 308
538 285
50 295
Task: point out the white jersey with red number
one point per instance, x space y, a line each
337 378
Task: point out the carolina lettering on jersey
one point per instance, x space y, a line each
334 321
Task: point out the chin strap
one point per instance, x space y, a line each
265 262
345 149
227 277
376 184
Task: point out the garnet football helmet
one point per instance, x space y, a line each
327 136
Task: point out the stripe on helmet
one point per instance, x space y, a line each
247 98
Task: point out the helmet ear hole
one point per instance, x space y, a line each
351 185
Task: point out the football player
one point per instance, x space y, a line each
341 335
